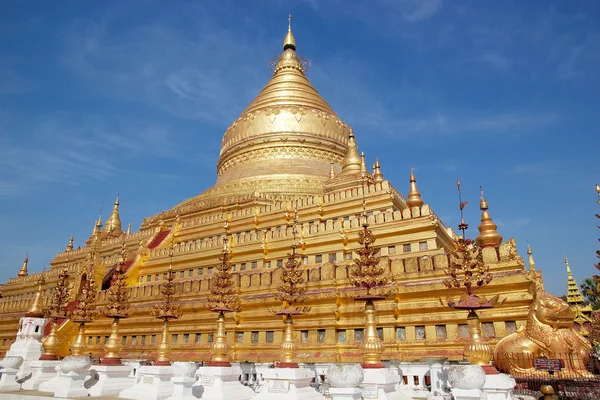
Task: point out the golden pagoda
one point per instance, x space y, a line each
287 151
577 302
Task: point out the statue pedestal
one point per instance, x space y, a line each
112 379
222 383
499 387
41 371
8 381
289 384
346 393
182 388
51 384
153 383
380 383
466 394
70 384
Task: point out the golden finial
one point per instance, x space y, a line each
23 271
113 224
70 245
37 306
129 228
331 171
488 235
568 266
530 254
363 164
377 175
414 197
352 161
598 191
289 42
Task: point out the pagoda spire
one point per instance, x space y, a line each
332 171
37 306
377 175
488 234
113 224
530 255
70 245
352 161
414 197
363 164
23 271
574 295
289 42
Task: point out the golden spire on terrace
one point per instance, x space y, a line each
37 306
70 245
363 164
531 262
289 42
414 197
352 161
113 224
23 271
488 235
377 175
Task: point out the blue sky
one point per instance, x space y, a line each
100 98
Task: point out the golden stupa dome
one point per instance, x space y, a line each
284 142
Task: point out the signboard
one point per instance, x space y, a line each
279 386
547 364
370 391
207 380
147 380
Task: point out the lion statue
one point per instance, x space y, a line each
549 333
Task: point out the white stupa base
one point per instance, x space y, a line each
287 383
112 379
70 384
346 393
41 371
499 387
467 394
153 383
8 381
182 388
380 383
222 383
51 384
28 348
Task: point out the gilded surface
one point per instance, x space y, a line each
549 333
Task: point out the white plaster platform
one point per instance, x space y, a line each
381 383
112 379
8 380
499 387
345 393
153 383
51 384
41 371
222 383
466 394
182 388
71 384
287 383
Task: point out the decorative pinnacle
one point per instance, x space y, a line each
23 271
289 42
414 197
568 266
461 205
488 234
530 254
377 175
598 191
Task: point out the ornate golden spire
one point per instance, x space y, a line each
289 42
113 224
129 228
363 164
352 161
531 262
574 295
37 306
70 245
414 197
377 175
488 235
23 271
332 171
